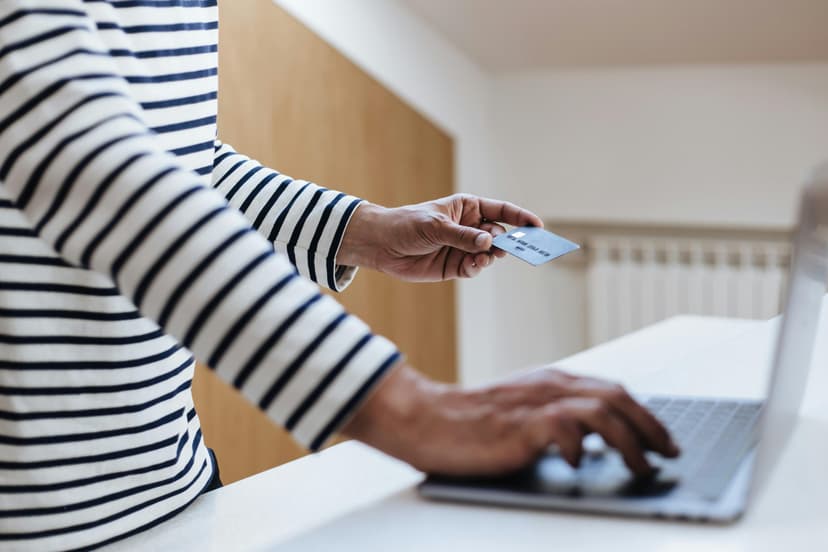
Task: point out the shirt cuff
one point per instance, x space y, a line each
357 375
338 276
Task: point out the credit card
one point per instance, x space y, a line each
534 245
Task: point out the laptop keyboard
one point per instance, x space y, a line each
714 435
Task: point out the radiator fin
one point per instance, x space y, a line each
634 281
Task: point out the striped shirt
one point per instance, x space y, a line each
132 242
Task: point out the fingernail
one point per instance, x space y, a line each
481 240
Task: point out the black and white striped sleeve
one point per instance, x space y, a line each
80 163
304 221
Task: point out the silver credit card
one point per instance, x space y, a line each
534 245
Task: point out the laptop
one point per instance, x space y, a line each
728 446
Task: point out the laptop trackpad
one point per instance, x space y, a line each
598 475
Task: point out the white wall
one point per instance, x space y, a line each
419 65
723 146
726 145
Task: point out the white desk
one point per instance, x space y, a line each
350 497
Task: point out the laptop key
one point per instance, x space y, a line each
724 457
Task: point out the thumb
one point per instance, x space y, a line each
465 238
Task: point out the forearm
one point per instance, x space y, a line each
304 221
393 417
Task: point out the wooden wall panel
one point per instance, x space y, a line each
294 103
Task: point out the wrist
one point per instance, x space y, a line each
392 417
361 242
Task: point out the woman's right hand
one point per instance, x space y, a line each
443 429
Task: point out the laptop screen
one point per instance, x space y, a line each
807 285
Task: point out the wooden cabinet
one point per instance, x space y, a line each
294 103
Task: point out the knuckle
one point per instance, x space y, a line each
617 391
555 375
532 440
434 219
600 411
457 199
562 421
493 394
433 224
489 417
559 418
499 423
553 371
569 423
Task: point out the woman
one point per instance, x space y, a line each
132 241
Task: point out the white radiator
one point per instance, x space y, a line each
633 281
